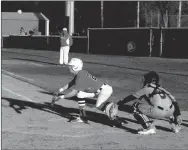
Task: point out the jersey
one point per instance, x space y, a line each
159 97
86 82
66 40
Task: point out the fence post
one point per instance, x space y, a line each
161 43
138 15
88 41
150 42
179 15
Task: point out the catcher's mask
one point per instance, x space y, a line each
75 65
151 77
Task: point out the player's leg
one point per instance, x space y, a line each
81 103
82 117
103 96
140 114
104 105
61 56
66 55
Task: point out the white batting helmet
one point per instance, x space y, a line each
76 64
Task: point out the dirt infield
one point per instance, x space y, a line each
29 123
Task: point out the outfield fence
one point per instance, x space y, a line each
146 42
43 42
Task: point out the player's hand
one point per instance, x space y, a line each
178 119
52 103
55 94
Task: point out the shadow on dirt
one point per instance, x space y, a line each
69 113
125 108
184 124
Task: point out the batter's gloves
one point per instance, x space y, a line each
54 99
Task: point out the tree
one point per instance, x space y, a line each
163 8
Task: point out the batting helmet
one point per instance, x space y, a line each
76 64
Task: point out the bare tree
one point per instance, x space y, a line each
163 8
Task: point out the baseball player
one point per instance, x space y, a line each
66 42
154 103
84 85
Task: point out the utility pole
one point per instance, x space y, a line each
102 14
138 14
69 12
179 15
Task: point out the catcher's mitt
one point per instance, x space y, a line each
111 110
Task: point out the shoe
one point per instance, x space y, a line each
147 131
79 120
176 128
117 123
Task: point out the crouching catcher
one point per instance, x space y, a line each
154 103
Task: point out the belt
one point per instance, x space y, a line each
161 108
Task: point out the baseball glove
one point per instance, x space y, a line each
54 99
111 111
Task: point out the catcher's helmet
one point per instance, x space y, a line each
76 64
151 77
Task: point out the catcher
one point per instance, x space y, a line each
154 103
84 85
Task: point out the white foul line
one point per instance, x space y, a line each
24 97
47 134
15 75
36 64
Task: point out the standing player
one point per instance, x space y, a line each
66 43
84 85
155 103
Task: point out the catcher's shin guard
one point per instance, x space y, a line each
141 118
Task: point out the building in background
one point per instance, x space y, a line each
31 23
100 14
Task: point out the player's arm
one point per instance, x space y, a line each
126 100
65 87
132 97
174 102
177 113
72 93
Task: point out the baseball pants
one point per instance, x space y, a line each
155 112
102 96
64 55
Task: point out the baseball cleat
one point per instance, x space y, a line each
176 129
79 120
147 131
